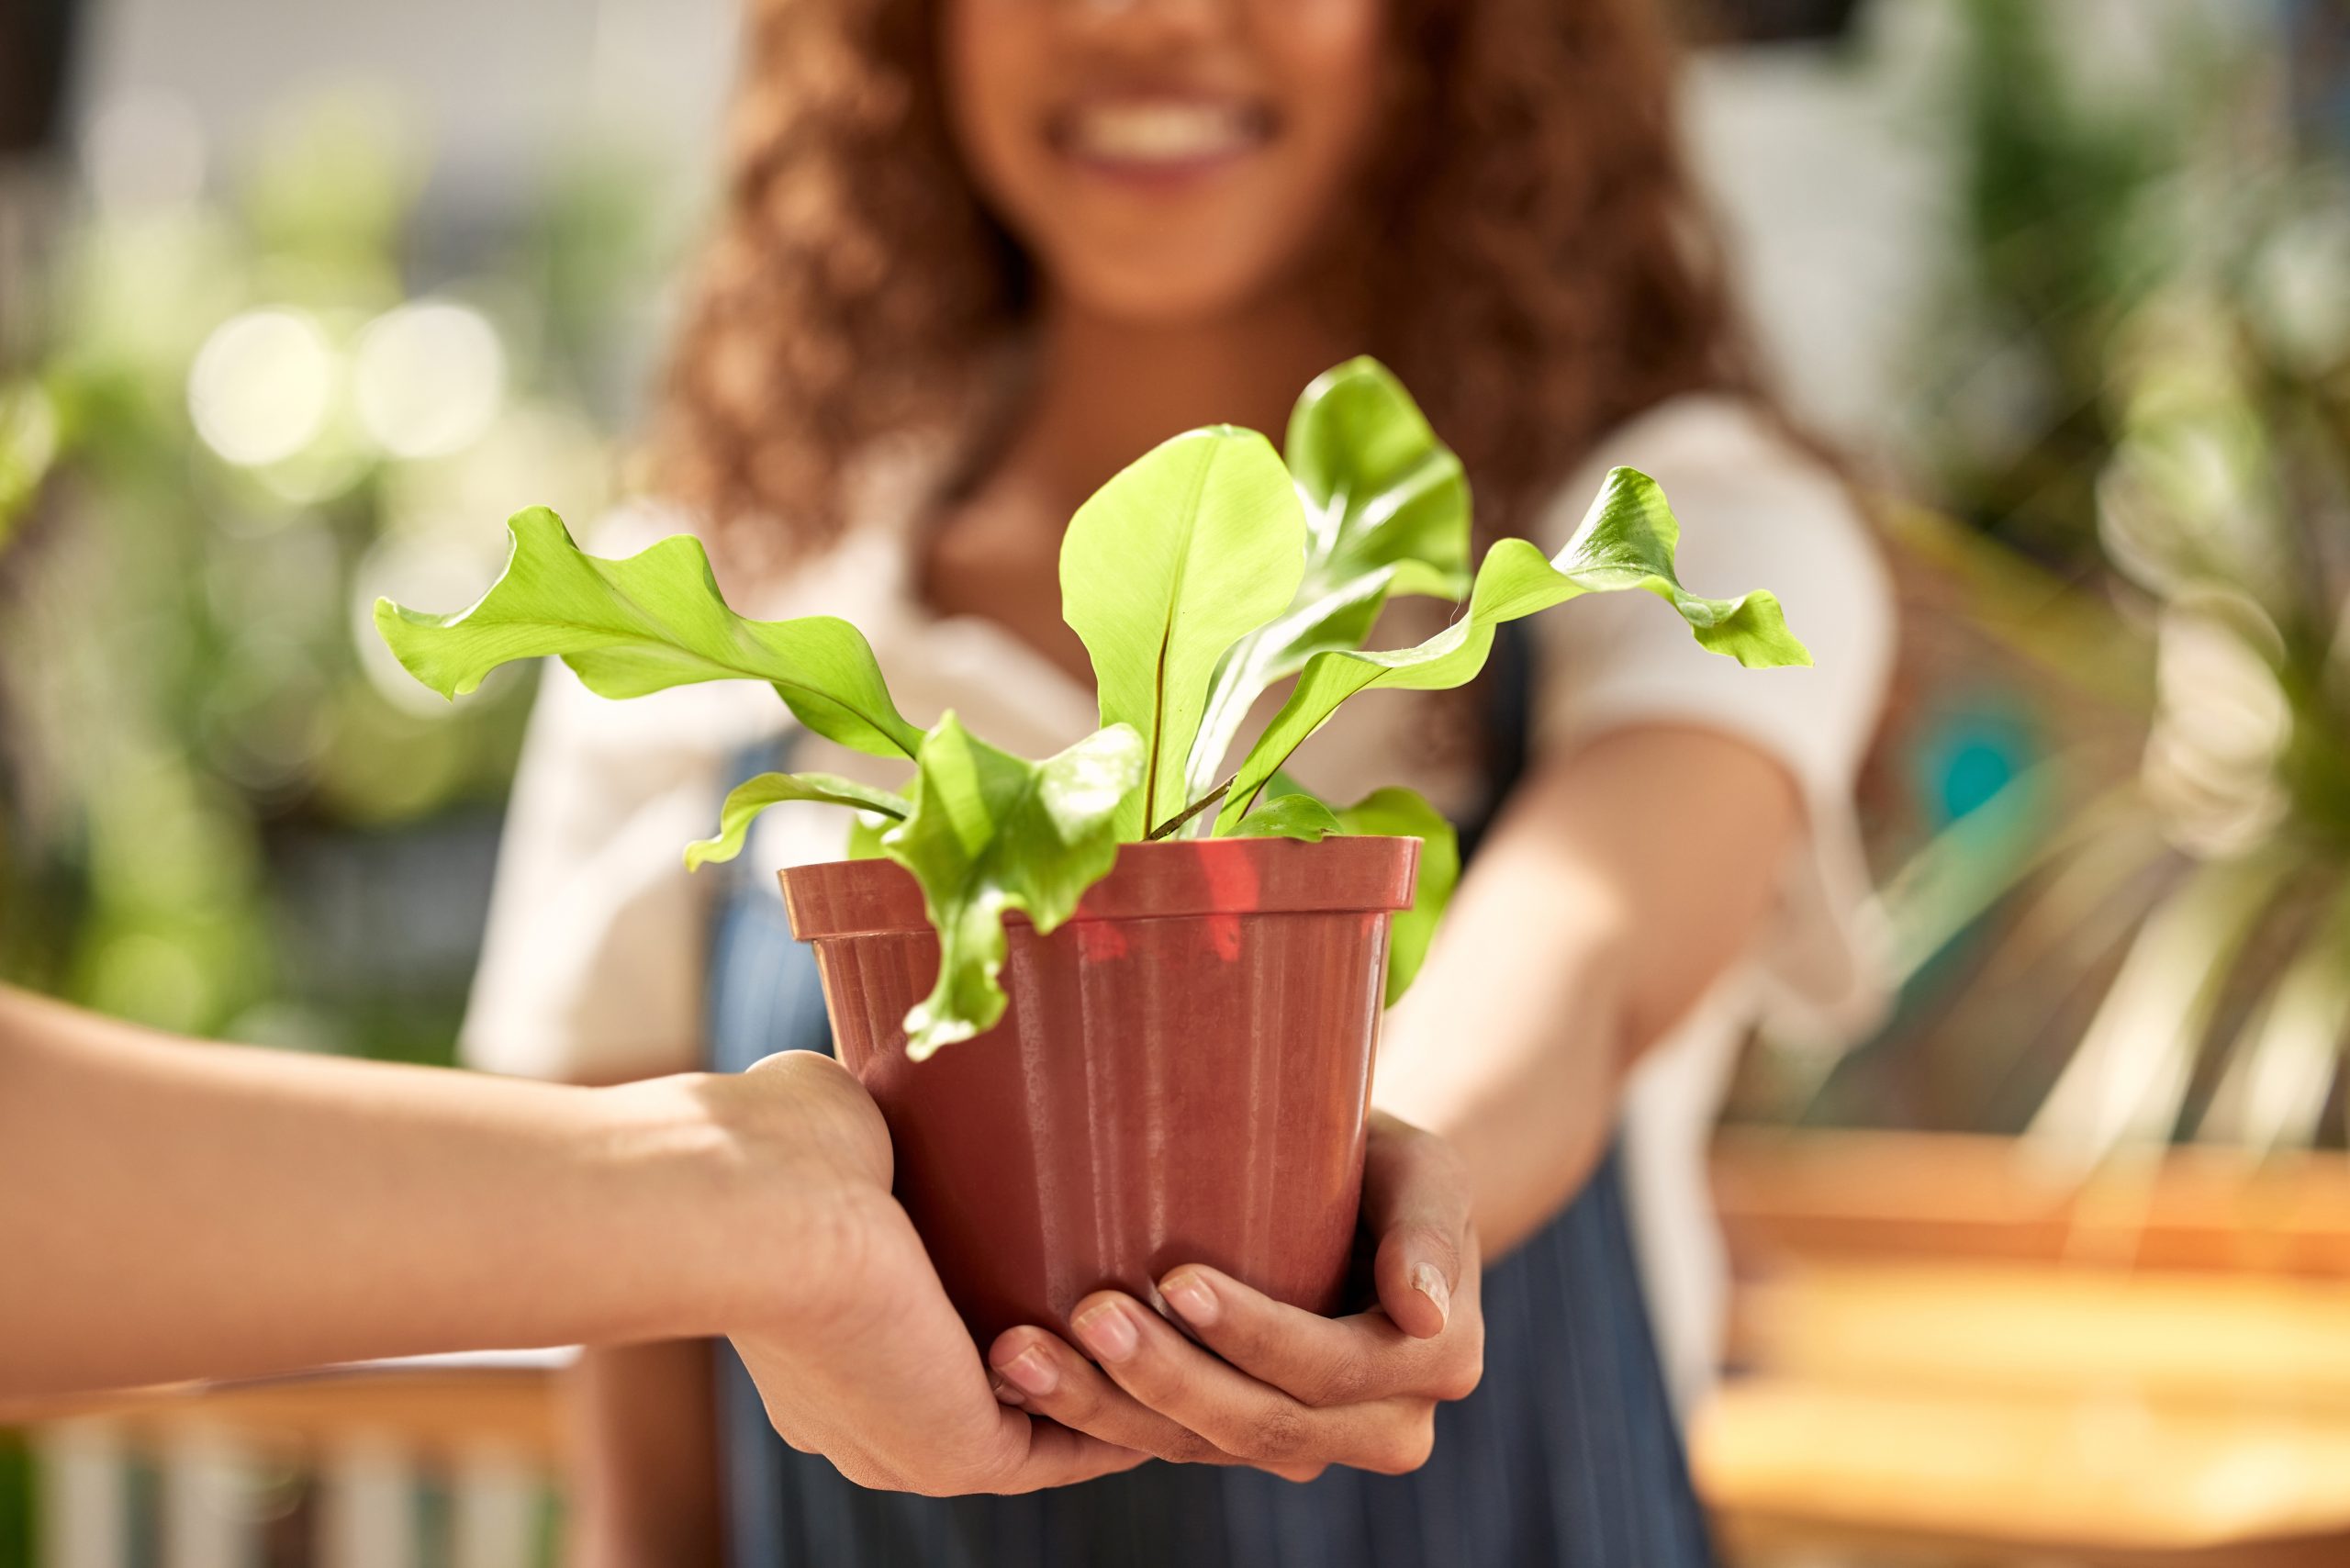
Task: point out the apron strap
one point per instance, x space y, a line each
781 1007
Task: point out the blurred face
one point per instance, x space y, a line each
1166 160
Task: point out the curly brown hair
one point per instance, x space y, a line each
1539 268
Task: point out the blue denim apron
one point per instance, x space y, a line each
1567 1454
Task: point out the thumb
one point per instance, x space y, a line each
1416 1202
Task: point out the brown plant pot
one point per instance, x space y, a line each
1183 1073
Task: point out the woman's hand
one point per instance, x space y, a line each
864 1361
1292 1392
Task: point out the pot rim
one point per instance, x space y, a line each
1149 881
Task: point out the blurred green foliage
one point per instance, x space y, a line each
2055 244
2146 386
17 1489
222 809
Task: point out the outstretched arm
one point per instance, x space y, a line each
1620 882
171 1209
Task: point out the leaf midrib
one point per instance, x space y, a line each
740 671
1190 522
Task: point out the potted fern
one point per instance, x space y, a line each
1151 976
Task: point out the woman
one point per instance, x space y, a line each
976 256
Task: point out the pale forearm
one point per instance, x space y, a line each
170 1209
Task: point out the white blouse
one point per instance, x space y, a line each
592 967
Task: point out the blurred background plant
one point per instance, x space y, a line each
251 410
2129 920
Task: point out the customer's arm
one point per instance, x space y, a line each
171 1209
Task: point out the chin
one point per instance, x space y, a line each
1164 291
1167 304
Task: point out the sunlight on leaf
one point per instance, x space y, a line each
1287 811
1387 512
748 798
989 832
636 626
1296 815
1196 543
865 831
1626 541
1398 813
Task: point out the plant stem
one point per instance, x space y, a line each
1188 813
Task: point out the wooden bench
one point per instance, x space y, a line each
1946 1354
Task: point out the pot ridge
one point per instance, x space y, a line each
1167 879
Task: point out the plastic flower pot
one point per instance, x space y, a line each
1182 1074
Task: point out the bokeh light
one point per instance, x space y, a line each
263 386
428 378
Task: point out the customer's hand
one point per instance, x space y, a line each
1292 1393
865 1362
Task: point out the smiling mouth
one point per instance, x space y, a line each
1148 136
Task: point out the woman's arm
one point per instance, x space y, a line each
1620 882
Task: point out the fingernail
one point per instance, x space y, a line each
1107 1332
1429 1279
1032 1373
1002 1390
1187 1292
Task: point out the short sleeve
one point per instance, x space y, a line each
1755 513
591 965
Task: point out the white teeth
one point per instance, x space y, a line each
1160 132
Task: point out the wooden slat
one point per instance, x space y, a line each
1958 1355
1785 1457
441 1414
1946 1195
1757 1540
2171 1339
